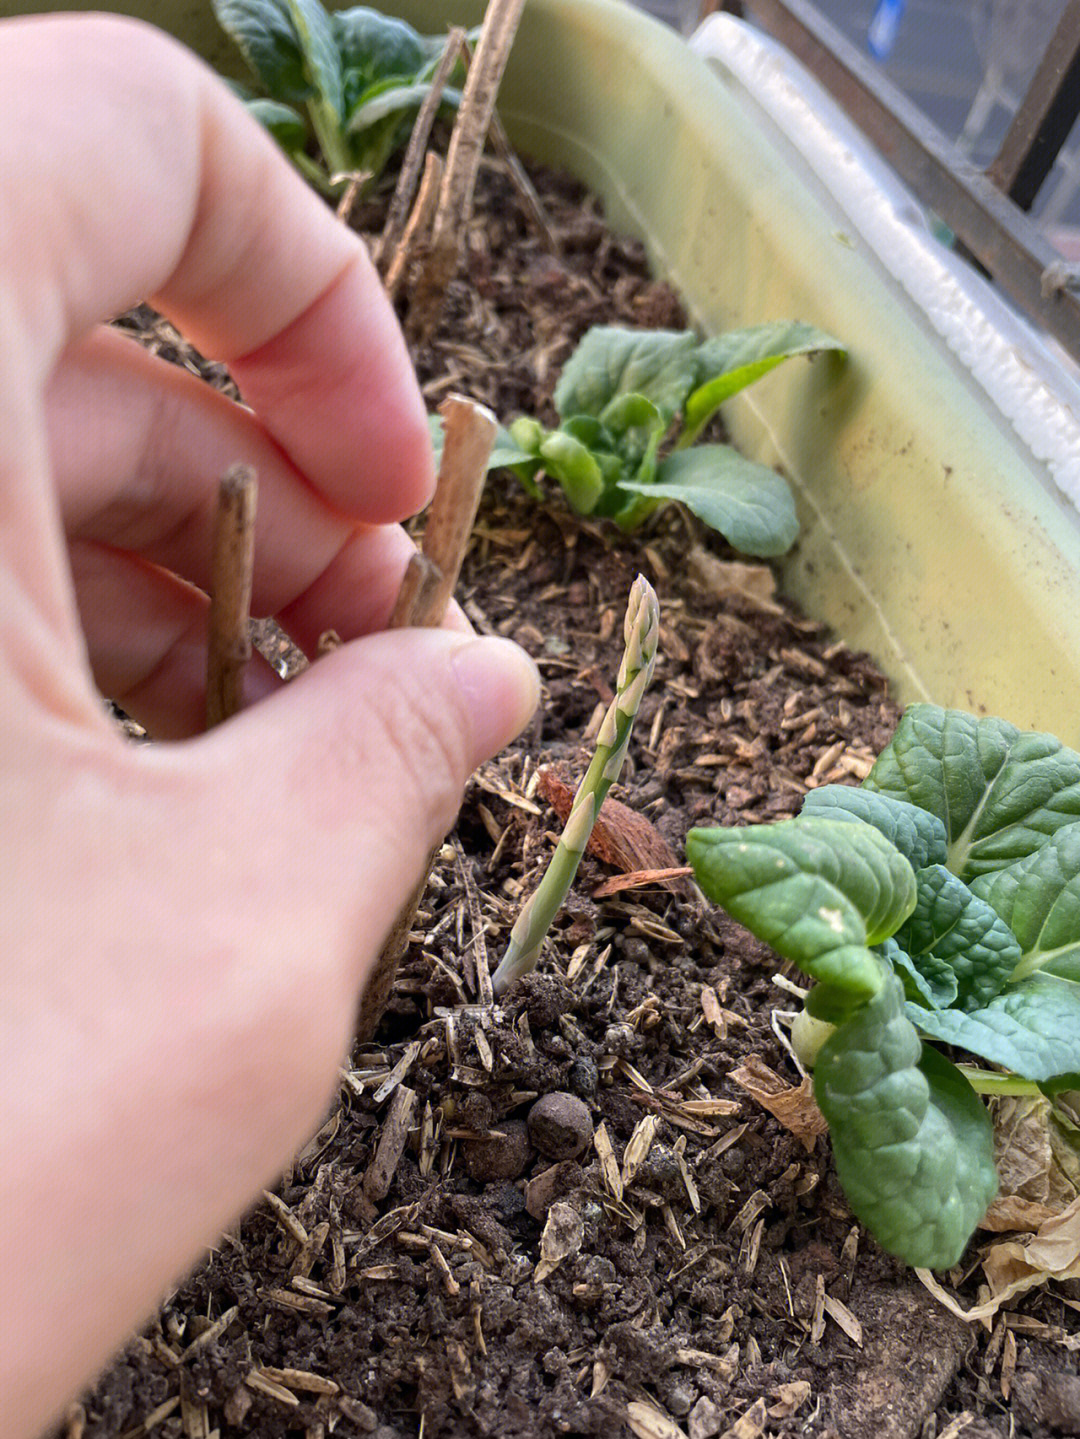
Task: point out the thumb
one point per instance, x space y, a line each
363 759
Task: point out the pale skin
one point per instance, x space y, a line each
187 925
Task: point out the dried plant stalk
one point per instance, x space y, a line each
463 161
394 228
469 437
419 226
229 627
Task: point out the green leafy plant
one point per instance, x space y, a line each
354 79
939 901
641 631
632 403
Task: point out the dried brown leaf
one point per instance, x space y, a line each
792 1104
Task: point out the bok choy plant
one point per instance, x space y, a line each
632 403
937 904
354 79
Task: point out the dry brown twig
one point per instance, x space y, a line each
463 162
390 240
229 628
416 231
469 437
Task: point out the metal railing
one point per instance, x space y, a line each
985 210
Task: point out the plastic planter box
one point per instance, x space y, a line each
938 532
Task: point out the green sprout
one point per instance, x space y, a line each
642 631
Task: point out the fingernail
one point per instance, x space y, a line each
501 687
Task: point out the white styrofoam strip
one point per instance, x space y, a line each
1032 385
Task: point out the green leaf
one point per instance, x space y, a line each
917 834
1000 792
748 504
912 1141
952 926
322 63
388 98
728 363
288 127
576 469
1039 899
820 891
265 33
1031 1028
930 983
609 361
374 47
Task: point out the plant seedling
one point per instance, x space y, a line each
940 902
354 79
620 397
641 630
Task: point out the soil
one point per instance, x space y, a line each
657 1254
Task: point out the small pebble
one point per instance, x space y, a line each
584 1079
560 1125
487 1160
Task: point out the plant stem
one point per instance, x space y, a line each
642 631
429 581
987 1081
228 624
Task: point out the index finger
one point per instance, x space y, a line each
200 211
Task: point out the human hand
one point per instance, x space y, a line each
189 924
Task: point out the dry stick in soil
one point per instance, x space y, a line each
229 627
519 177
468 438
412 240
396 216
463 162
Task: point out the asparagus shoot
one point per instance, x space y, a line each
641 629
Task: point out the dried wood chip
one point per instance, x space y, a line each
638 1146
461 1376
724 1366
609 1165
750 1424
735 579
840 1314
788 1399
298 1301
395 1133
285 1217
258 1382
792 1104
957 1426
562 1236
648 1422
154 1418
621 836
398 1073
211 1333
450 1284
302 1379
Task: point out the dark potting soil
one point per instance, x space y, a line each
660 1256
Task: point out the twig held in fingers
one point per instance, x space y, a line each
642 631
469 437
229 628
